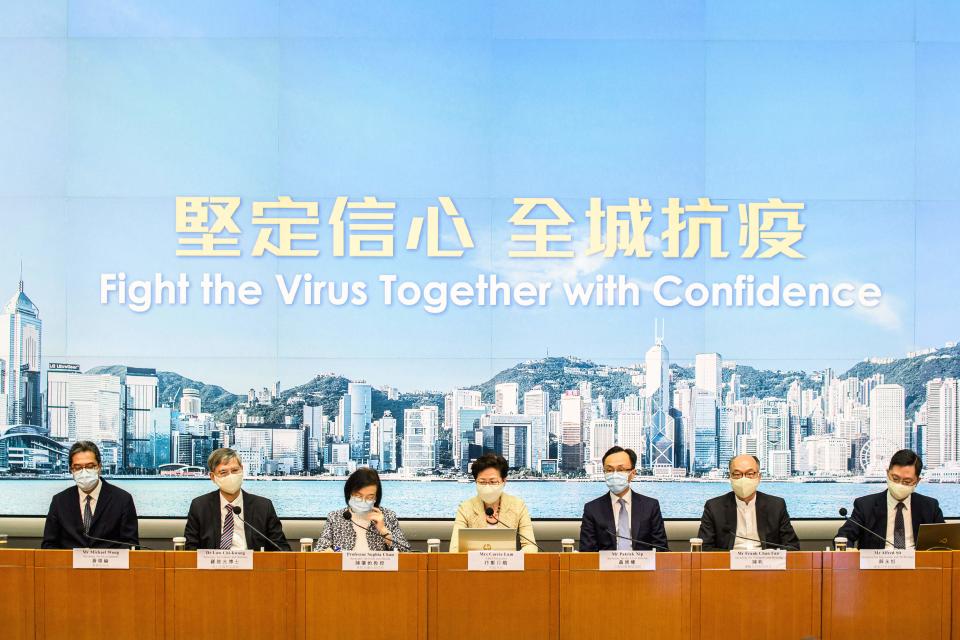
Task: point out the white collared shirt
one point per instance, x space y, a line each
239 539
95 495
747 524
891 521
628 505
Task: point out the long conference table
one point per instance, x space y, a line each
308 595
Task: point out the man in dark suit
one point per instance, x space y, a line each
745 518
230 518
92 514
894 515
621 519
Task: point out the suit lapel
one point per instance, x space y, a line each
730 518
606 511
880 513
479 516
916 517
761 520
74 514
635 515
248 516
103 502
215 530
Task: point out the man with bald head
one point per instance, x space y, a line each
745 518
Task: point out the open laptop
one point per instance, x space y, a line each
939 537
500 539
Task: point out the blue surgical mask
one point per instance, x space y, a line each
361 506
617 481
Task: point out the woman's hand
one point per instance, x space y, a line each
376 518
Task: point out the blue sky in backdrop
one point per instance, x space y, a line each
112 109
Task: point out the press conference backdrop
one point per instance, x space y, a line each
404 234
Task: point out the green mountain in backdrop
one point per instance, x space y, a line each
554 374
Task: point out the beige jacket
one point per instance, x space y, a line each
513 514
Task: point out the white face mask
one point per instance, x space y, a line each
86 479
230 484
489 493
361 506
745 487
899 491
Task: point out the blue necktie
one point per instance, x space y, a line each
623 528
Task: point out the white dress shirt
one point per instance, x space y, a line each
239 537
361 544
907 522
628 500
747 524
95 495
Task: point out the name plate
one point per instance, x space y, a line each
101 558
225 559
888 559
758 560
495 561
370 561
628 561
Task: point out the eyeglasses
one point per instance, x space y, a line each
617 470
752 475
489 483
907 482
226 473
90 466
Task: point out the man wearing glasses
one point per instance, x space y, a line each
93 513
894 515
230 518
746 518
621 519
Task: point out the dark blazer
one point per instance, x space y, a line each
115 519
718 525
598 530
203 523
871 512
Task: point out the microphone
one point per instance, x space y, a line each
786 547
347 515
489 512
843 514
236 512
649 544
123 545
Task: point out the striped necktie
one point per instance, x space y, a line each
226 538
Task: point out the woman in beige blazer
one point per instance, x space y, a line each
490 473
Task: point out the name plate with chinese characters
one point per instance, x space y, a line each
495 561
758 560
224 559
888 559
370 561
101 558
628 561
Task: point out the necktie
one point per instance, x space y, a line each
899 533
623 528
87 515
226 538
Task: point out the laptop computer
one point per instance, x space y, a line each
500 539
939 537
